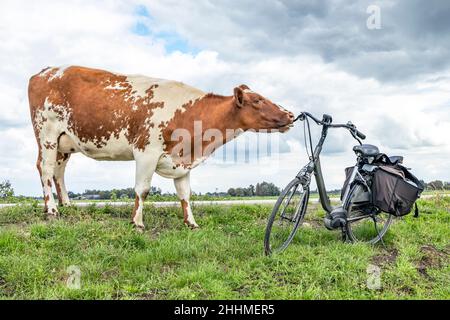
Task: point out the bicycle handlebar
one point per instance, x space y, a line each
326 121
360 134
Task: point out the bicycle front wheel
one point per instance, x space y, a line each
286 217
365 223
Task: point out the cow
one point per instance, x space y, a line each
111 116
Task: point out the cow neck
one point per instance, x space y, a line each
220 113
214 112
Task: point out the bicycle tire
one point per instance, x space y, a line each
299 216
350 232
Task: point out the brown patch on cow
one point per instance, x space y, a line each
39 163
62 156
136 206
144 196
46 200
49 145
49 183
163 124
431 258
97 105
214 112
58 191
185 205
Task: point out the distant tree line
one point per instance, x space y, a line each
436 185
114 194
260 189
7 193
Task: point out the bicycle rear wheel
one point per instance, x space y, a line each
287 215
365 223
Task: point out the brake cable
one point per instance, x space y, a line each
306 123
355 137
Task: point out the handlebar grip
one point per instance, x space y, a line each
360 134
327 118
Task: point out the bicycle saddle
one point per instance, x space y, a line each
367 150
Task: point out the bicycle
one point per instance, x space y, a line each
354 217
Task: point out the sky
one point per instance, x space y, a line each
392 80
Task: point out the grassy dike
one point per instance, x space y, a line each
222 260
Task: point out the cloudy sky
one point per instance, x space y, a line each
320 56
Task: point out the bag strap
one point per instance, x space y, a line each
416 210
383 159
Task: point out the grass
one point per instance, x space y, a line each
223 260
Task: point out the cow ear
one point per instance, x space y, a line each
239 97
244 87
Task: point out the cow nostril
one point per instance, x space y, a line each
291 116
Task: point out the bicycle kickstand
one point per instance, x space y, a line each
344 234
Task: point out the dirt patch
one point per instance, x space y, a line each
153 294
387 257
431 258
407 290
243 290
154 233
109 274
5 289
314 223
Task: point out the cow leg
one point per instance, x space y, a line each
58 178
183 187
145 168
46 166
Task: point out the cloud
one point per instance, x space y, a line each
310 55
413 39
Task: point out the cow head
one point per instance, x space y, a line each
258 113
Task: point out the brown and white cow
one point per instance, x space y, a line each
109 116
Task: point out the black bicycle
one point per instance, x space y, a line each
357 218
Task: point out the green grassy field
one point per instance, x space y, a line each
223 260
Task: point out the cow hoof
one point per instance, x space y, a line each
51 217
193 227
65 204
139 229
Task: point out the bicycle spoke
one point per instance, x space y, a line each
287 202
364 223
286 217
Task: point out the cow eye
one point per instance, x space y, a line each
257 104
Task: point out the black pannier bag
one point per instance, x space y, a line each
395 189
348 173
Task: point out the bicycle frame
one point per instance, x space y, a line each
315 166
